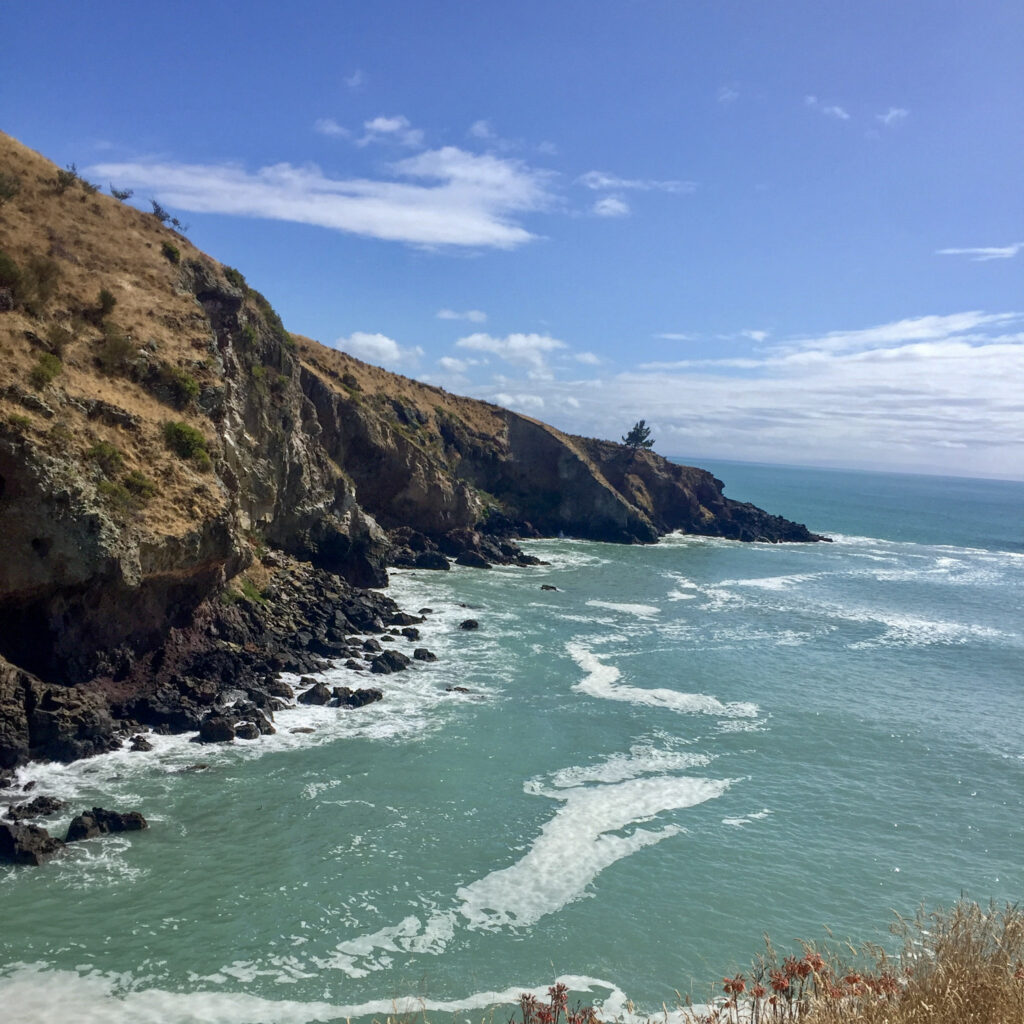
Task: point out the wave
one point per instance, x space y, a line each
602 681
644 611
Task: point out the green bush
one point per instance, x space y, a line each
37 283
19 422
44 371
10 186
59 338
66 178
159 212
116 495
171 252
10 275
116 350
236 278
139 486
107 456
181 385
121 194
105 303
188 443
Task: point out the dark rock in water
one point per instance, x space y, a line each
302 729
387 638
307 681
473 560
404 619
318 694
469 624
193 768
431 560
100 822
547 586
28 786
27 844
279 688
422 654
371 645
37 808
353 664
457 689
388 662
141 743
411 633
426 611
216 728
356 698
246 731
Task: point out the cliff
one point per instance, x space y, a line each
160 431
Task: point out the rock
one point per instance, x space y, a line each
37 808
279 688
473 560
27 844
388 662
100 822
318 694
422 654
354 665
304 729
404 619
431 560
469 624
411 633
426 611
457 689
547 586
307 681
216 728
140 743
356 698
372 645
246 731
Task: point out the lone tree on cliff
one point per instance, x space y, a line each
638 439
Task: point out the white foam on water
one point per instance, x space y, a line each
679 595
902 630
642 759
601 681
576 845
644 611
43 996
746 819
773 582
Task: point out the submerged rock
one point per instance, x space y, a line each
469 624
357 698
101 822
37 808
422 654
140 743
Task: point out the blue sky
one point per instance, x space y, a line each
787 232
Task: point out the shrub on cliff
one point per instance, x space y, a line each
115 350
10 186
171 383
188 443
107 456
44 371
171 252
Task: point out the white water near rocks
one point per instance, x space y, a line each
682 747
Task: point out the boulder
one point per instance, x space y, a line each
37 808
317 694
411 633
140 743
457 689
388 662
472 559
469 624
404 619
279 688
547 586
356 698
216 728
422 654
371 645
100 822
431 560
246 731
27 844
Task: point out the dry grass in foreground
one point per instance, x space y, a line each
959 966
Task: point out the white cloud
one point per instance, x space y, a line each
534 403
466 200
985 253
527 350
728 94
828 110
675 336
481 130
588 358
328 126
602 181
611 206
892 116
356 79
378 349
755 335
474 316
391 129
452 365
547 149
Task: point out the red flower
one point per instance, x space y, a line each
779 981
734 986
758 991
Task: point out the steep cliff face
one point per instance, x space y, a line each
159 429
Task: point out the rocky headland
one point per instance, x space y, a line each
194 500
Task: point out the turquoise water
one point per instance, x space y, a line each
683 747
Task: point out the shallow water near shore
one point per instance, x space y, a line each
682 747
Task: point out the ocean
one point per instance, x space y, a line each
681 748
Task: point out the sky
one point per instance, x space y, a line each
786 231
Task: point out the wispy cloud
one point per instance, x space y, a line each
528 350
328 126
985 253
474 316
829 110
674 336
379 349
602 181
611 206
456 198
397 129
356 79
757 336
893 116
728 94
482 130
